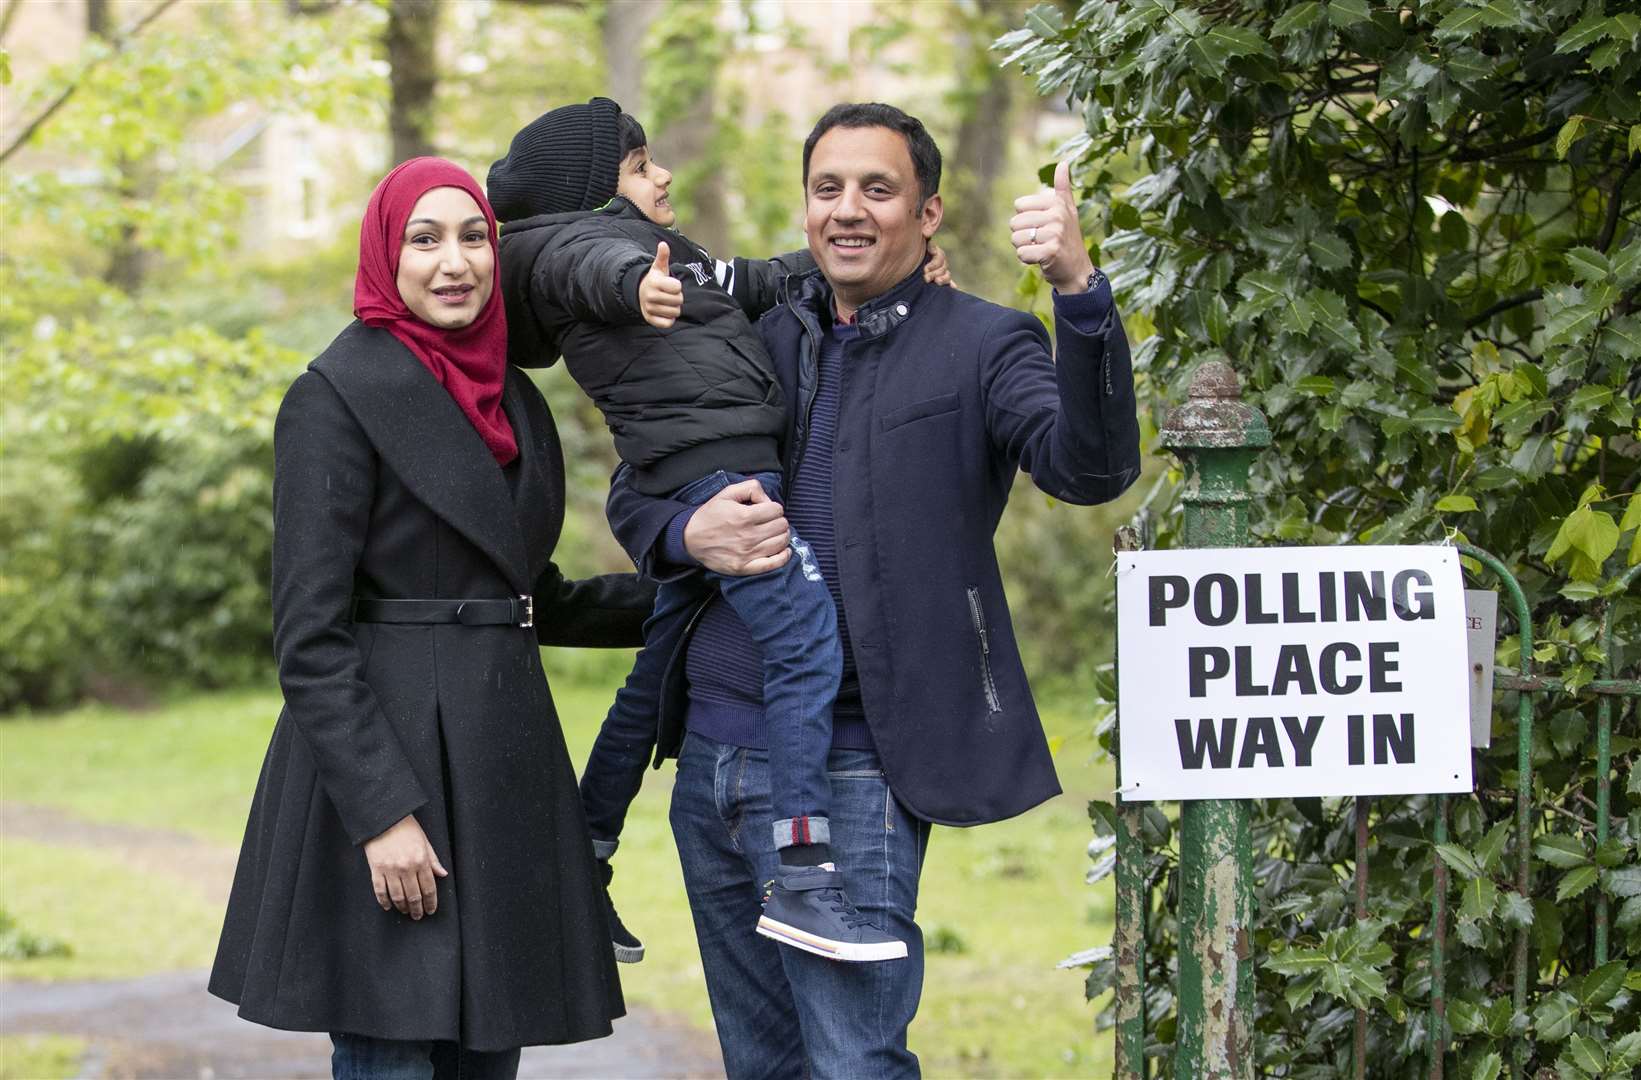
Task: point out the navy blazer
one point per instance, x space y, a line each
944 397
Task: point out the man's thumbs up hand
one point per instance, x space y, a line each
660 295
1047 234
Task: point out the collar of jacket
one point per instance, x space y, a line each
428 442
812 293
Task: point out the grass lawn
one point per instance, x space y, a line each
39 1057
115 923
1005 901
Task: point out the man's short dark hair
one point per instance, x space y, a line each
925 154
630 134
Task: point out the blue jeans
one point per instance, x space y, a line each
785 1012
363 1057
790 614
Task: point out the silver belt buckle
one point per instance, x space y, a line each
529 611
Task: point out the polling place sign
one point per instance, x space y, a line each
1269 672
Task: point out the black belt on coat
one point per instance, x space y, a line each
514 611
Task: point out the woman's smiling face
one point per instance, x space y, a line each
447 266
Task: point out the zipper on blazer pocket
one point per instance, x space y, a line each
978 616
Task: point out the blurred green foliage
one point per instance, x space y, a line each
134 445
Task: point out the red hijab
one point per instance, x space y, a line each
471 362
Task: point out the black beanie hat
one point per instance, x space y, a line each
565 160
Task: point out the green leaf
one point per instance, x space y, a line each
1589 398
1635 139
1233 41
1488 1067
1588 264
1461 23
1515 909
1622 882
1456 504
1104 817
1262 290
1297 18
1348 12
1491 848
1533 376
1606 56
1632 514
1315 384
1568 135
1575 882
1330 252
1584 33
1587 1055
1554 1016
1588 534
1464 1016
1460 859
1561 852
1598 987
1477 899
1626 1052
1623 335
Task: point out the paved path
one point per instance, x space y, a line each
167 1026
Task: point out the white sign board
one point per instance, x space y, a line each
1272 672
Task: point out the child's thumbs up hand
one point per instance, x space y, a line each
660 295
1047 233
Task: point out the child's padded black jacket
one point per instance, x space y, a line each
681 402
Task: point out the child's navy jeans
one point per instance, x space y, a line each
789 613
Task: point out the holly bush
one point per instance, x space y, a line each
1412 229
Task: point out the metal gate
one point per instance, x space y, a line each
1216 435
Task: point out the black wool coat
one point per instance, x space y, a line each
383 488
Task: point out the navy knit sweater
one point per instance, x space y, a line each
723 667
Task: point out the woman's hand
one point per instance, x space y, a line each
935 271
660 295
402 869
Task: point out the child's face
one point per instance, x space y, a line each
644 184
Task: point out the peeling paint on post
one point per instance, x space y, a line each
1133 904
1215 435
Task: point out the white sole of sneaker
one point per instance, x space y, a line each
854 952
628 954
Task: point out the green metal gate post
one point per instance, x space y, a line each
1133 905
1215 435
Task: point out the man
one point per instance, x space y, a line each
911 407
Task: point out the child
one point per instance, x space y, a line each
659 335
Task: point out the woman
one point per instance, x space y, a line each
416 877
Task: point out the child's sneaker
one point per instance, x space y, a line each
808 910
628 949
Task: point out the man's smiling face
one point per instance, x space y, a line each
867 222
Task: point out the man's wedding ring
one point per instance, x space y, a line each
1032 239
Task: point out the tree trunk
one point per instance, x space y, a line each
127 262
686 148
686 143
411 40
624 25
980 155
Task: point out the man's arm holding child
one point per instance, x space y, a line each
738 531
